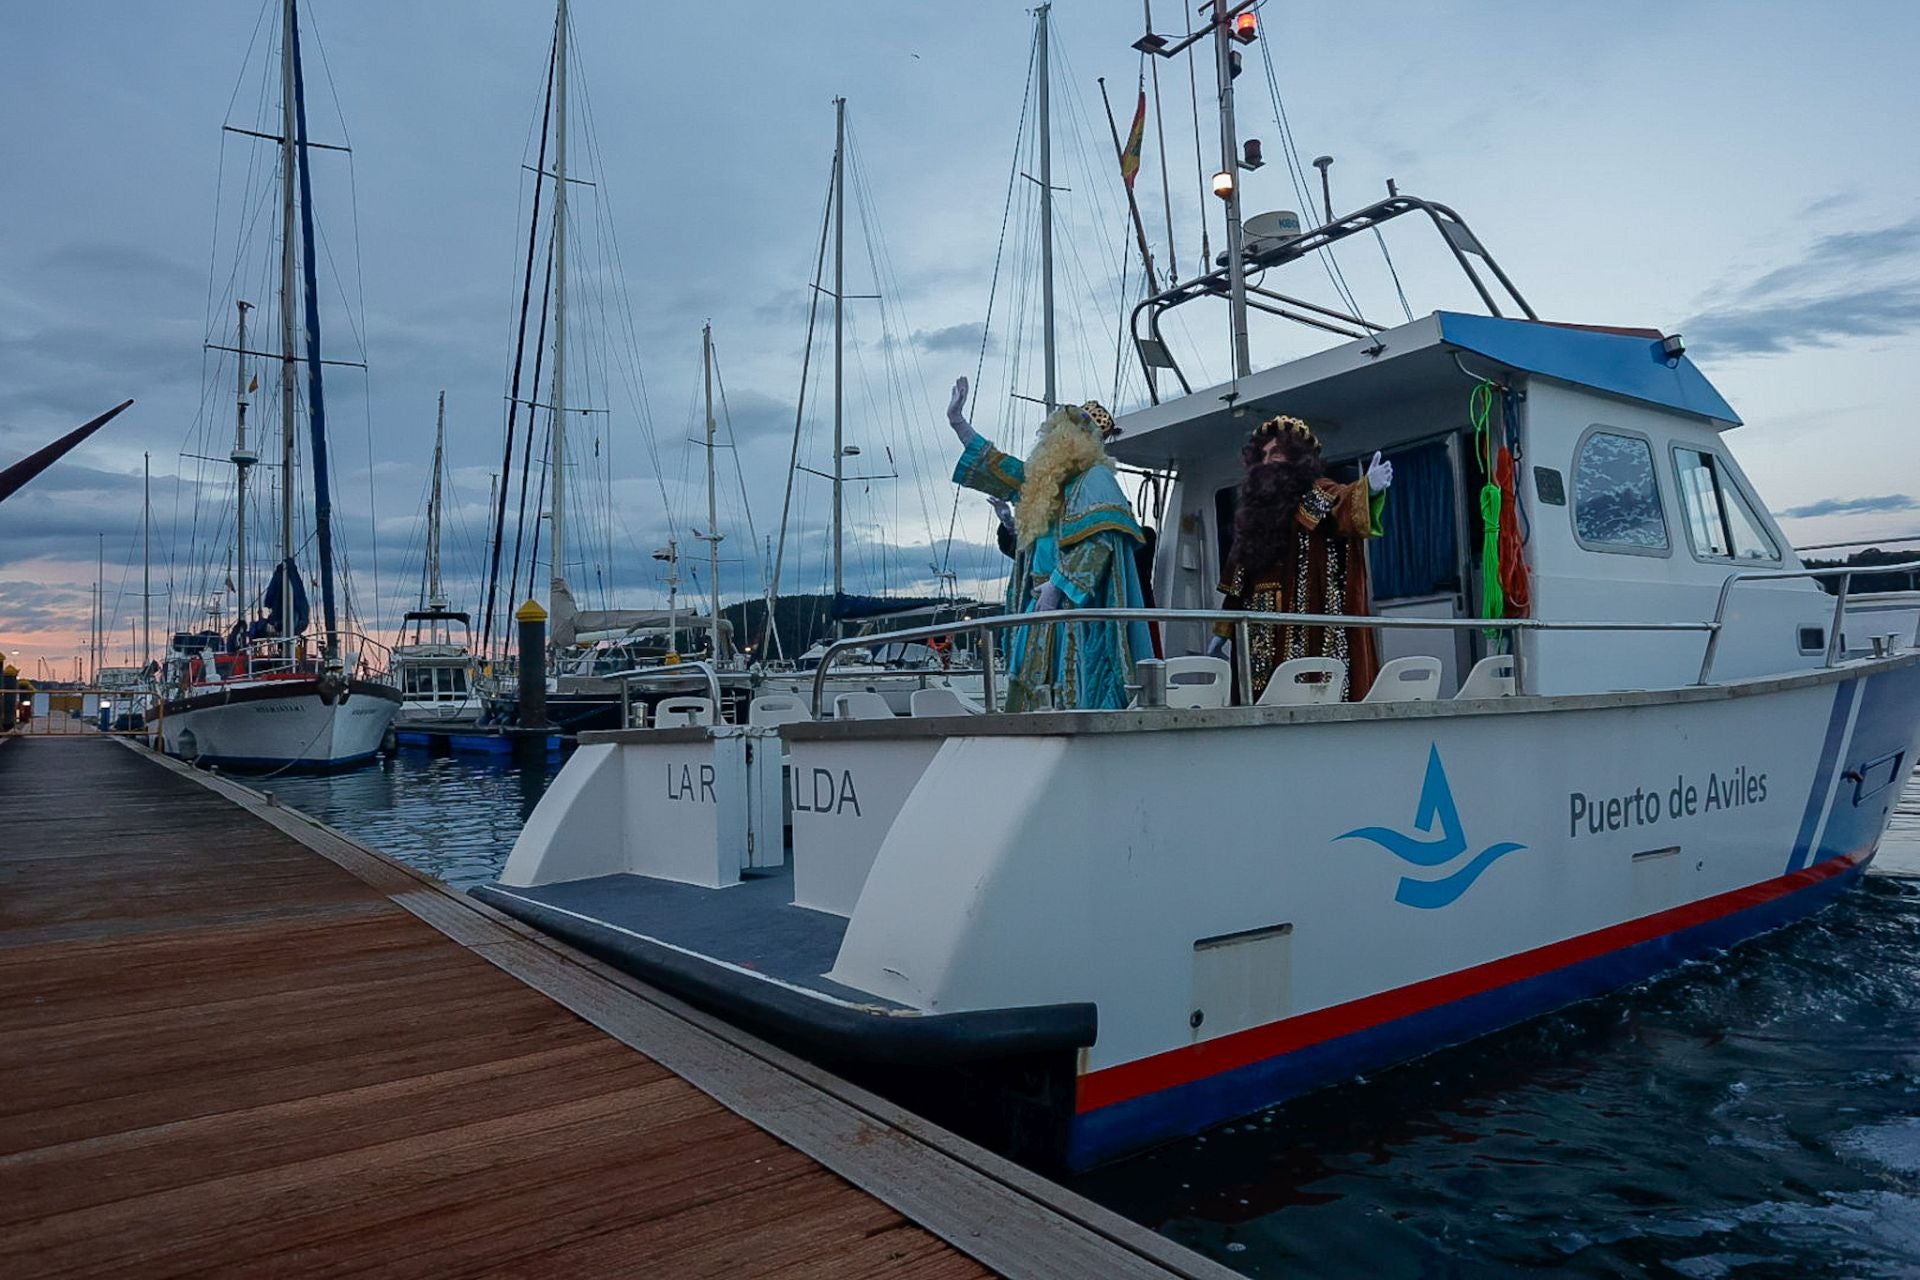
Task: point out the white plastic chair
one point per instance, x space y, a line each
1410 679
1491 677
773 709
675 713
1197 682
942 701
1306 682
861 706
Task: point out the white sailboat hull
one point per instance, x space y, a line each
279 724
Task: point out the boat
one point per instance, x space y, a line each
433 659
260 693
1076 934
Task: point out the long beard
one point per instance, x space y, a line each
1062 454
1263 519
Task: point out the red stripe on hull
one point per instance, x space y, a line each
1256 1044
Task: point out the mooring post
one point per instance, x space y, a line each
9 695
533 665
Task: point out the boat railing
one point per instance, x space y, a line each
676 671
1835 649
984 629
271 656
1151 345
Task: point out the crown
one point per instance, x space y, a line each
1274 428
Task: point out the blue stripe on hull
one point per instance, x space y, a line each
1186 1109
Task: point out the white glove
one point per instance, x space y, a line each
1051 598
1002 511
957 412
1218 647
1379 474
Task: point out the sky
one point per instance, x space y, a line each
1739 172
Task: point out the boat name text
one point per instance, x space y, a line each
827 793
687 784
1591 815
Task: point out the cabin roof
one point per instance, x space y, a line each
1413 368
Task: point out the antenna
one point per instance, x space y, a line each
1324 163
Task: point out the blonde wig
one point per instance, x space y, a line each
1069 445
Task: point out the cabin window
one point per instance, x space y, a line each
1616 499
410 681
458 677
1720 523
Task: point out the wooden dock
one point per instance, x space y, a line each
234 1042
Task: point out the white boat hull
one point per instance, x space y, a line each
1258 902
280 724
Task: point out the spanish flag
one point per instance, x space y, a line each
1130 157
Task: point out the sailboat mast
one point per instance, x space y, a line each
1046 211
242 458
99 640
288 386
713 501
557 453
434 598
839 340
1230 165
146 558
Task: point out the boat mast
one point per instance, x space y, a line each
712 535
146 559
98 642
288 386
557 453
1046 211
1230 166
242 458
434 599
839 338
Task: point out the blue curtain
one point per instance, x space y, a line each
1417 552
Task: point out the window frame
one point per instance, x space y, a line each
1725 476
1659 496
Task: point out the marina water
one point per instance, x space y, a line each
1756 1114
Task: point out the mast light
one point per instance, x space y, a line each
1246 27
1223 184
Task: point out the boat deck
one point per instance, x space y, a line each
235 1042
753 924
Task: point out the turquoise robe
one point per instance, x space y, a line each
1088 554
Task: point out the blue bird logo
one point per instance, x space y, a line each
1436 803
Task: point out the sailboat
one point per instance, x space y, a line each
434 659
261 693
587 646
893 672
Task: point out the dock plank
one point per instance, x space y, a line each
224 1054
234 1042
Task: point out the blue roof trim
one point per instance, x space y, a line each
1615 363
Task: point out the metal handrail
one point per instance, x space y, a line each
983 629
625 680
1843 572
1461 242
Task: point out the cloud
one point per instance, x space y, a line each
963 338
1847 286
1850 506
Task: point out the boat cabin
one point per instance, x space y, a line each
1631 507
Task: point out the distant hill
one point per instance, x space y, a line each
1906 578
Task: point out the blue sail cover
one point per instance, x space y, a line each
286 574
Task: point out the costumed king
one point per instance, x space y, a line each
1074 536
1299 547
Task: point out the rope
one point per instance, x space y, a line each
1493 602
